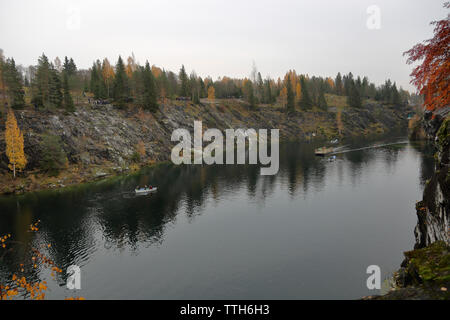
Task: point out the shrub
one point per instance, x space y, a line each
53 156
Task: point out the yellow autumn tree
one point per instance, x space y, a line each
330 82
14 144
298 92
211 93
131 65
283 95
156 71
108 74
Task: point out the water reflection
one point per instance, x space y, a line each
96 219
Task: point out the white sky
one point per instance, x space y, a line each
223 37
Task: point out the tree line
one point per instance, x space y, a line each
123 83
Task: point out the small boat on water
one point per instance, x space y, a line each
334 141
145 190
323 151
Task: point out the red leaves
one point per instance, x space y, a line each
432 77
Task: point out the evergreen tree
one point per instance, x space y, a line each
53 157
268 98
164 87
260 87
195 88
97 85
15 86
73 67
121 85
305 101
396 96
348 83
41 82
183 82
322 102
68 102
386 91
55 89
150 102
353 98
203 93
338 84
69 66
249 93
290 101
66 65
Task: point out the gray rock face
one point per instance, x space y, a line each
433 211
106 135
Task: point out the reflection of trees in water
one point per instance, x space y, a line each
64 224
299 164
425 151
73 220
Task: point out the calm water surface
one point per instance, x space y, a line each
225 232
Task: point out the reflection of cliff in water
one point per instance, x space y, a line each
75 221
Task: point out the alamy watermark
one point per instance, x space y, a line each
374 280
374 19
73 21
213 153
74 278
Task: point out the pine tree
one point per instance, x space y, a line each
183 82
322 102
68 102
353 98
268 98
395 95
14 144
203 93
121 85
290 99
41 89
164 87
2 78
14 84
259 87
69 66
305 101
97 84
150 102
53 157
55 97
195 88
338 84
249 93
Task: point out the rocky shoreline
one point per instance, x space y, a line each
102 141
425 272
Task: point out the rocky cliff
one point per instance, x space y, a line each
107 136
425 272
433 211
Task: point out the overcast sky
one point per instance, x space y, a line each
218 38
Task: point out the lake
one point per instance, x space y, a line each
226 232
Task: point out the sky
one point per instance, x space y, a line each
223 38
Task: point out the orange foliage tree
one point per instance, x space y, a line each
432 76
14 144
211 93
